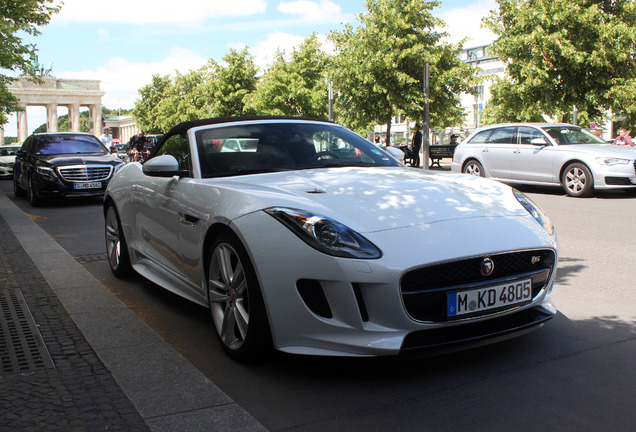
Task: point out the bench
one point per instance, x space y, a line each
438 152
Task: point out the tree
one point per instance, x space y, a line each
146 108
379 66
562 54
295 88
228 91
16 17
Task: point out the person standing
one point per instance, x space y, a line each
623 138
106 138
417 145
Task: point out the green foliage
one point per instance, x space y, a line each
564 53
295 88
213 91
146 109
379 67
19 17
232 84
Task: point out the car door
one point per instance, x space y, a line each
165 217
21 165
497 152
533 159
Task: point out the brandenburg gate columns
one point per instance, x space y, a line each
74 118
51 93
23 127
51 117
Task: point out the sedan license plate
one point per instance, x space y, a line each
493 297
94 185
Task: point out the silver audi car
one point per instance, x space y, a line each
556 154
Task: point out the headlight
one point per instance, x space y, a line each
46 172
535 211
612 161
325 234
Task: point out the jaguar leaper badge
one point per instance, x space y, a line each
487 267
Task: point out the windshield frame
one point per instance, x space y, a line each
284 145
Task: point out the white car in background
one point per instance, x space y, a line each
7 158
318 242
554 154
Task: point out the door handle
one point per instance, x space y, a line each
188 220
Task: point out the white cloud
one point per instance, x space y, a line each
311 11
120 80
466 22
103 35
265 50
139 12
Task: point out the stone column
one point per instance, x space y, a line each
23 127
51 117
74 118
96 119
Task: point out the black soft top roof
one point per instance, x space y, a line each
184 126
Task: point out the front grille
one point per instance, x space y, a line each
80 173
424 290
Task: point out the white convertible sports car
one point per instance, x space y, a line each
312 240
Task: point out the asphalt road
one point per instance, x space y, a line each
575 373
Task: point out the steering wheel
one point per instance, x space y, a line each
323 154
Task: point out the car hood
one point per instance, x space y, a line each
84 159
7 159
606 150
374 199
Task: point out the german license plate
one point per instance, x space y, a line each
493 297
94 185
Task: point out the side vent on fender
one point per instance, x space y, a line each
314 297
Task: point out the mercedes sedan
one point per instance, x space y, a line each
554 154
62 164
316 241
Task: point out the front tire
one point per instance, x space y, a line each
236 303
473 167
577 180
116 247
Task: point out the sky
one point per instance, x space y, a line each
122 43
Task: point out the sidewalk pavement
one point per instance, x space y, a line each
74 358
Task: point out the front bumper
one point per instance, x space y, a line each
321 305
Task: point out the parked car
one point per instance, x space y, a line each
554 154
63 164
7 157
318 242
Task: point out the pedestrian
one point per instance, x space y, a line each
453 139
106 138
623 138
416 143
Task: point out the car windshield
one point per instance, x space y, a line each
565 135
67 144
9 150
276 146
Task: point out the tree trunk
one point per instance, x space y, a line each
388 133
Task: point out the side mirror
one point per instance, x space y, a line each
538 142
163 166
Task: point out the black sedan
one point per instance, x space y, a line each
62 164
